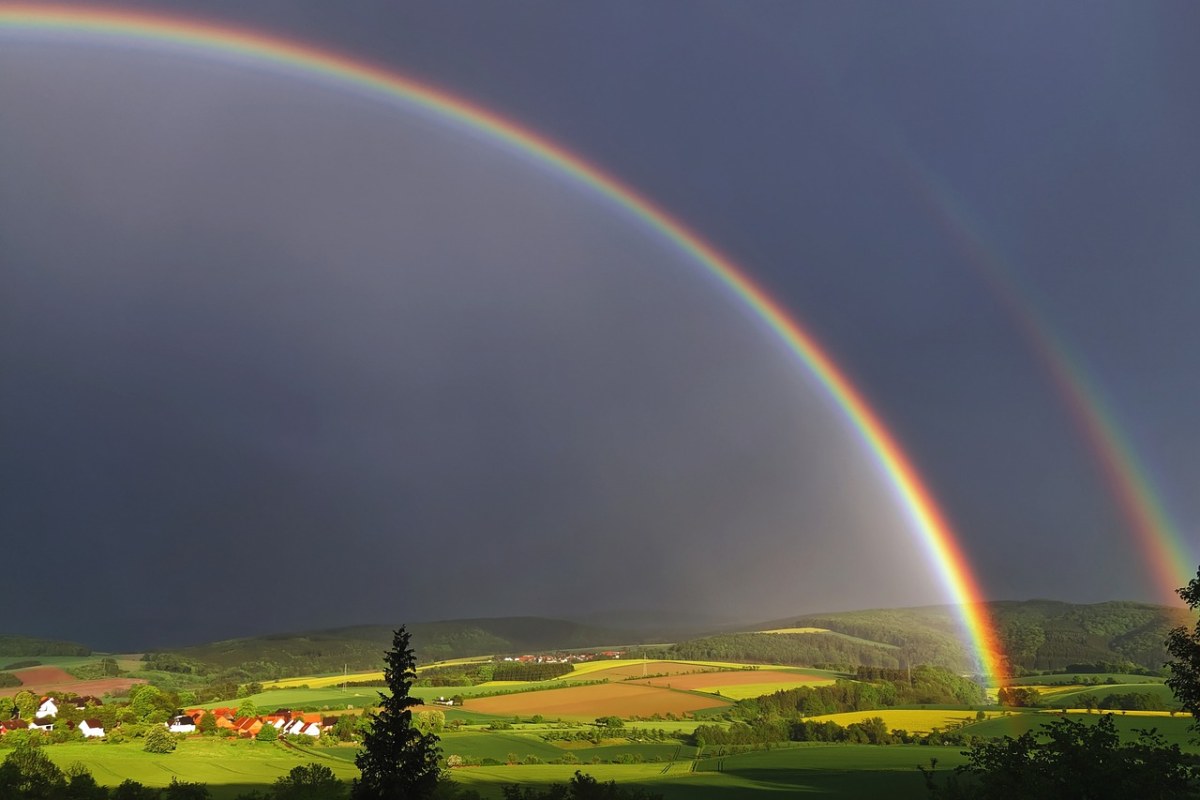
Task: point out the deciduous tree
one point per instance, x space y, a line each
1184 647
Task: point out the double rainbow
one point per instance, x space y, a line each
1159 538
307 61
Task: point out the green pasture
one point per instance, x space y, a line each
498 745
1069 679
830 771
1175 730
330 697
228 766
1070 699
841 771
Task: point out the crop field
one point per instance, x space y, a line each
632 667
740 684
587 702
917 720
45 679
228 766
322 681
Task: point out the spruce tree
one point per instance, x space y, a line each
398 762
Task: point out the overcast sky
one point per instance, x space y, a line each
277 355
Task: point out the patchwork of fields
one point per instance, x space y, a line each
595 700
519 751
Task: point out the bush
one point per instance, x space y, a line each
158 740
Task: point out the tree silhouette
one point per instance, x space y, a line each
1184 647
398 762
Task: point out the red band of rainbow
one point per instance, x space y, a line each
312 62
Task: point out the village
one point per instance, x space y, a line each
82 714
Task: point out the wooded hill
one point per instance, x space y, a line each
362 647
12 645
1036 634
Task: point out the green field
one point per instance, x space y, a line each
1070 680
228 766
1176 730
850 772
1070 698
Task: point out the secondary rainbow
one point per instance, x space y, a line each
210 40
1159 538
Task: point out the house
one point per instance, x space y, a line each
42 724
247 726
83 701
301 727
91 728
224 711
48 708
444 701
182 724
14 724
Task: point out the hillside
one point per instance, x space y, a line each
362 646
1036 634
26 646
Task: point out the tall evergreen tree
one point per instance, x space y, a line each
398 762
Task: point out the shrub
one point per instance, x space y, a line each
158 740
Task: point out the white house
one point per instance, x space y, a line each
182 724
91 728
48 708
42 724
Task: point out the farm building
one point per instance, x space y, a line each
91 728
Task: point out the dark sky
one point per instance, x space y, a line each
276 355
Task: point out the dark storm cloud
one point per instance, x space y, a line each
241 315
275 335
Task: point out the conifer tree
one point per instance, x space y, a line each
398 762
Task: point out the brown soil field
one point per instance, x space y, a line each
730 678
44 680
598 700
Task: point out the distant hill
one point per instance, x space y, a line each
362 647
11 645
1036 635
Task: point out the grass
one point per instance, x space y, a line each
228 766
831 771
1176 730
912 720
1070 679
1061 695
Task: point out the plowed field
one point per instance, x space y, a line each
605 699
46 680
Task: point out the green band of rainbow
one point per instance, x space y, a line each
310 61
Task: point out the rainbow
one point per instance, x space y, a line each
1171 562
307 61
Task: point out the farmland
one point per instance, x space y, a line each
632 720
590 701
45 679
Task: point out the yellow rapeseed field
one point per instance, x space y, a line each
797 630
321 681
